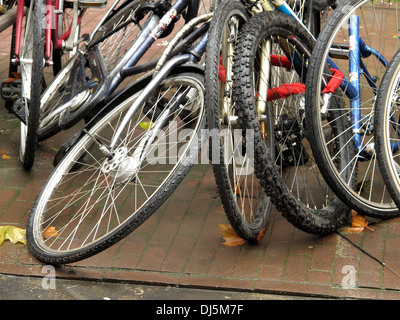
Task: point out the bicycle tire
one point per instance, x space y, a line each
386 134
33 86
232 181
360 184
79 159
287 169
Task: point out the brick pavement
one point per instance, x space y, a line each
181 244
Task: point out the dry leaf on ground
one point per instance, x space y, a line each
13 234
230 236
232 239
358 223
4 155
16 75
50 232
261 234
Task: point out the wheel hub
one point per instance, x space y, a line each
121 166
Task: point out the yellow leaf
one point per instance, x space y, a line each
230 236
355 230
358 223
13 234
145 125
50 232
5 156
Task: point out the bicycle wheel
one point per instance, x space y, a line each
34 76
351 51
387 128
92 200
270 66
245 203
31 63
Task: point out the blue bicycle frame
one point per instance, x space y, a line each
150 35
351 87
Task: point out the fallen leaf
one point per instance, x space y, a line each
16 75
145 125
13 234
358 223
50 232
5 156
261 234
230 236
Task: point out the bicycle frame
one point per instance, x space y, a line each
52 39
351 87
150 33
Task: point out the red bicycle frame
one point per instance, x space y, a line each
52 39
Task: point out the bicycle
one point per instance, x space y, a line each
284 167
353 49
387 128
39 43
138 147
104 59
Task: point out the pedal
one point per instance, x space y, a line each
10 90
92 3
18 109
